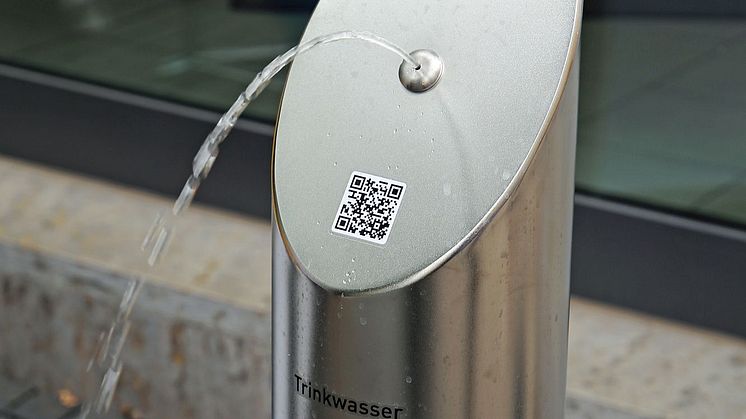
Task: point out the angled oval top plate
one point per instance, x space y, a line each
456 148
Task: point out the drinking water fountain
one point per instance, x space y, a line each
422 217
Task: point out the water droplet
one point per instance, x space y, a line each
409 129
350 276
160 245
150 235
388 167
329 134
396 167
398 106
396 130
363 321
352 260
318 222
108 387
335 164
422 113
408 380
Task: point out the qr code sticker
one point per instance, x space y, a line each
368 208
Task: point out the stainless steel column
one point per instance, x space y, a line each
462 312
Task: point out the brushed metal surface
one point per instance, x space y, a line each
483 336
459 147
426 75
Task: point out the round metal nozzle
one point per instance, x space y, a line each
426 76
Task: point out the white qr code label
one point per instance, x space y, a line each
368 208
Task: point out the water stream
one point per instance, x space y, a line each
105 366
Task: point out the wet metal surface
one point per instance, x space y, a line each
198 352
